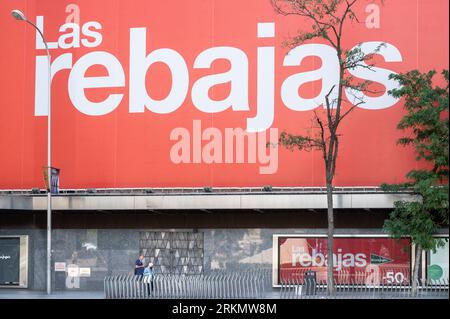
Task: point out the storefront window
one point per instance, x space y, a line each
437 267
356 260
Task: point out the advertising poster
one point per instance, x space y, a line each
60 266
85 272
437 268
356 260
189 93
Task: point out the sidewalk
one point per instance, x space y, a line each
33 294
30 294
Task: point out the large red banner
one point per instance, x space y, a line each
149 93
359 260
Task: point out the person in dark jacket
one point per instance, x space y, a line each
139 266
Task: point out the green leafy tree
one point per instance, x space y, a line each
427 125
327 19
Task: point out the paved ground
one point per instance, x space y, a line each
30 294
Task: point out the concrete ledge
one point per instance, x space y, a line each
203 201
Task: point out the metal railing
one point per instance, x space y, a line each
216 285
358 289
257 284
198 190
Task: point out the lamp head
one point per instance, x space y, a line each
18 15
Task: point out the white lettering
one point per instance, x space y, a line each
237 76
78 83
74 35
39 43
139 65
328 73
378 75
62 62
317 259
97 36
265 91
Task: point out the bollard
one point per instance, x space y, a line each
106 287
310 283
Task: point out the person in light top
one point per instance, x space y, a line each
149 274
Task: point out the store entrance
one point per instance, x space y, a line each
173 252
9 261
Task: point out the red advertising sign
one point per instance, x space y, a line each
360 260
150 93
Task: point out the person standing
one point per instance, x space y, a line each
139 266
148 276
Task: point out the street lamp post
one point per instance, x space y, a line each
21 17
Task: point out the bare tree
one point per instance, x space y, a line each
328 18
